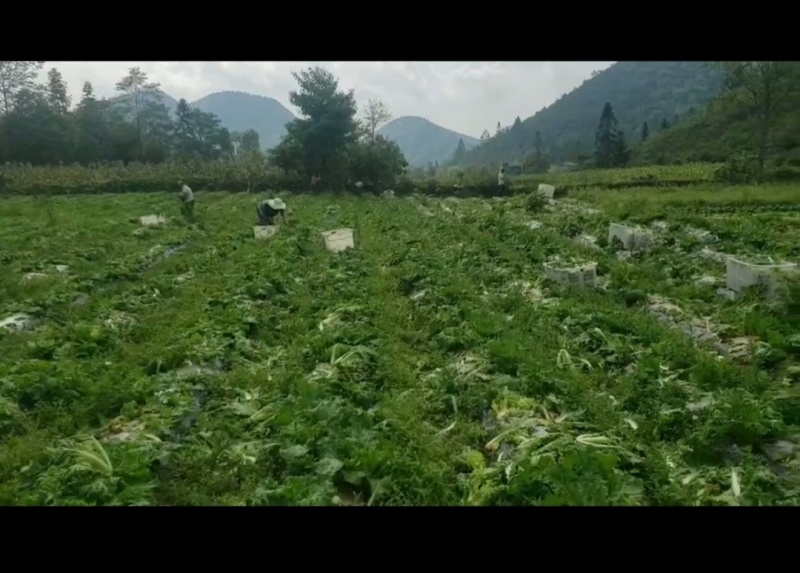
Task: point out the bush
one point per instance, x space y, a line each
739 169
535 202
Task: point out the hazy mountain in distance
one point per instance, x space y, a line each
423 142
241 111
170 102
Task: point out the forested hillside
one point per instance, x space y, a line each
723 130
659 93
423 142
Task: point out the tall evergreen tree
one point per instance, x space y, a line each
604 138
461 150
609 145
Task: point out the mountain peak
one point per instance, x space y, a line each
423 141
240 111
237 94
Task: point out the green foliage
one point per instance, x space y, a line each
378 164
535 202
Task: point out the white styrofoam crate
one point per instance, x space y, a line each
632 239
547 190
263 232
741 275
153 220
583 275
338 239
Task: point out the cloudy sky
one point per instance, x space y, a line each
467 97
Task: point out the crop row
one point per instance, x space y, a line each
752 206
224 175
690 172
118 178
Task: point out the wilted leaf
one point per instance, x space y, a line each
295 452
329 466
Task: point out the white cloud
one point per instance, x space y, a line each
464 96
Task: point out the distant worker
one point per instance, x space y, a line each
187 199
269 209
501 181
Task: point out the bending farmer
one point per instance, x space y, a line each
269 209
187 199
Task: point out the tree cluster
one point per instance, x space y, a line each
40 125
328 141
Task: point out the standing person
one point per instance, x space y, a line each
269 209
501 180
187 199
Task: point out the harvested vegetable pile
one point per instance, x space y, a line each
432 364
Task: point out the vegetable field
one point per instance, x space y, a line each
434 364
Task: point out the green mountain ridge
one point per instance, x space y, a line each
423 141
639 92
